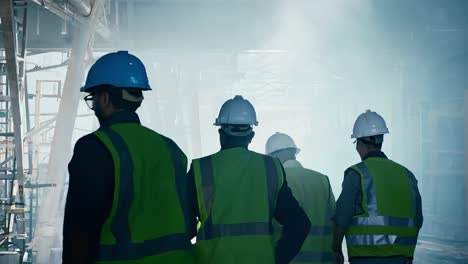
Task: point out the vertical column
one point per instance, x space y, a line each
9 36
15 75
466 161
37 124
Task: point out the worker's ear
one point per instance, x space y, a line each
105 99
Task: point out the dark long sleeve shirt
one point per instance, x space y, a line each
295 222
89 199
90 194
288 213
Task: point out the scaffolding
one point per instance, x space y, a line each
13 211
24 148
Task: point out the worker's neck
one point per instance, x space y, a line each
229 145
369 153
109 116
283 159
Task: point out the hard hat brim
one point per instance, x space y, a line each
296 148
86 89
369 135
216 123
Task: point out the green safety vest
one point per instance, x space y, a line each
388 225
313 192
147 223
237 191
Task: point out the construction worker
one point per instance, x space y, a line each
239 193
313 192
125 200
379 209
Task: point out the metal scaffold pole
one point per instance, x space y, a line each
14 58
466 163
9 34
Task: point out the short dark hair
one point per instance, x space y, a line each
236 140
115 95
370 143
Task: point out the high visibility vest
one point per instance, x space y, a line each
237 191
147 223
388 225
313 192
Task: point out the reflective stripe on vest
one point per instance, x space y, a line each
210 230
310 256
222 230
383 221
375 220
381 240
125 249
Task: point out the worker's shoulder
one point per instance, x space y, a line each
315 173
251 153
169 141
260 155
397 164
171 144
355 167
89 139
89 144
265 158
403 167
353 170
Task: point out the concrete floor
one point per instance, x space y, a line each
440 252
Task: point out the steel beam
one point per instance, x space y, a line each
39 185
43 126
9 36
466 162
7 176
39 68
24 39
5 162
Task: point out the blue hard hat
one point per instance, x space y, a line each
117 69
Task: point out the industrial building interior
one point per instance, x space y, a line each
309 67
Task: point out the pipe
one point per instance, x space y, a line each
81 6
73 17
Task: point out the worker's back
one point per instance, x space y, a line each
237 191
313 192
388 225
147 223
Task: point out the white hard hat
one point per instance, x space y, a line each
280 141
237 111
369 124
